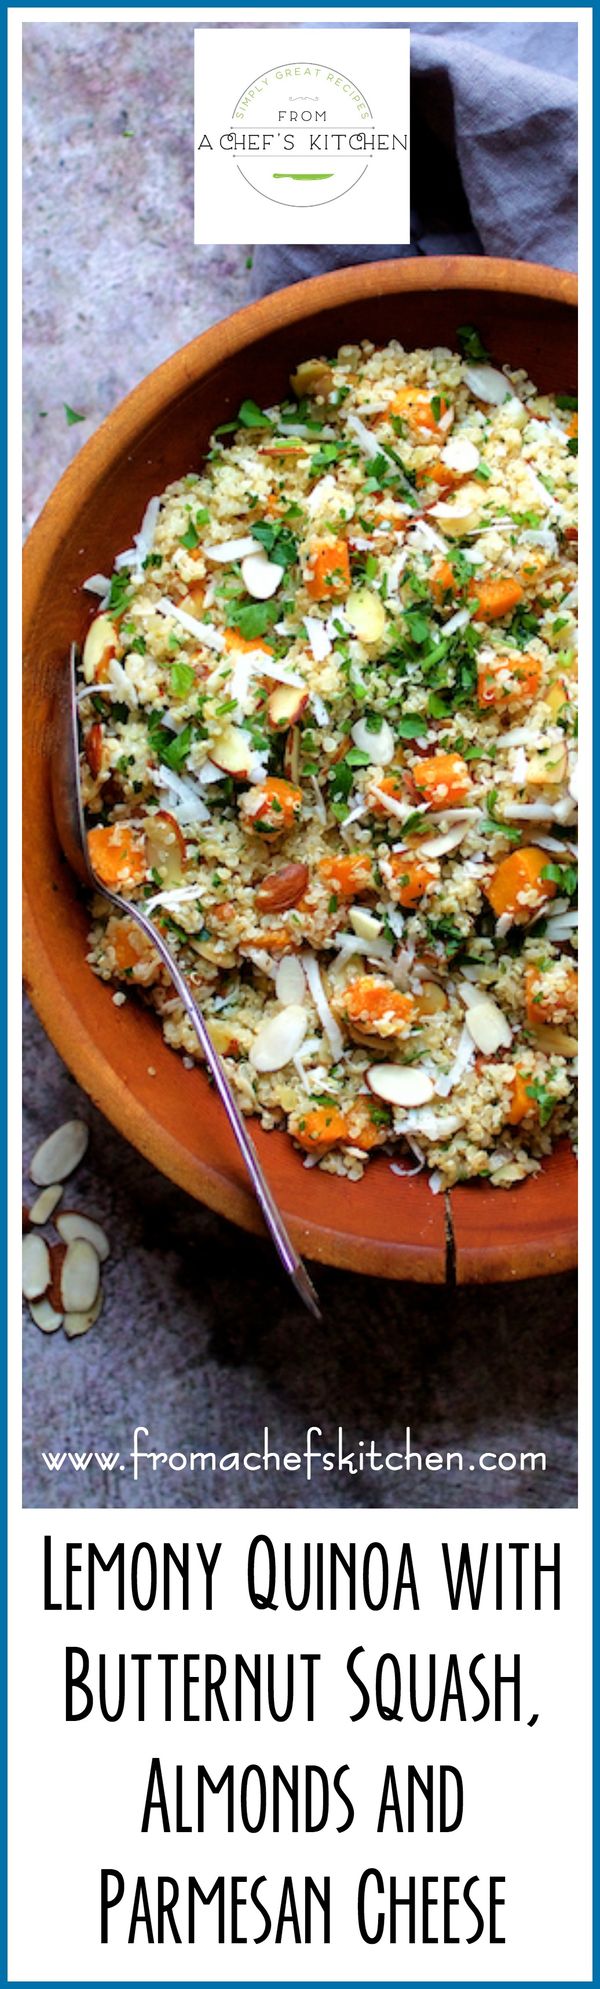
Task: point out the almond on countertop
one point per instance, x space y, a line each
45 1204
76 1323
58 1253
36 1266
80 1277
71 1225
60 1154
44 1315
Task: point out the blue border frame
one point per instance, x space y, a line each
140 1983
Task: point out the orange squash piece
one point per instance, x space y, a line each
347 876
416 409
321 1126
274 939
376 1007
443 580
438 473
117 857
131 949
521 1105
279 805
329 570
554 1005
517 887
508 680
363 1129
392 784
443 780
495 598
410 878
233 640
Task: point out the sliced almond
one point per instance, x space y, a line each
72 1225
401 1084
290 983
285 705
80 1276
461 511
431 999
441 845
366 614
58 1253
193 602
36 1266
487 384
100 644
548 1036
461 456
380 745
165 848
488 1027
547 769
261 576
44 1316
45 1204
76 1323
232 751
313 376
291 755
279 1039
60 1154
364 924
232 549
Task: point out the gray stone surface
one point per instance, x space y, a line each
198 1340
113 282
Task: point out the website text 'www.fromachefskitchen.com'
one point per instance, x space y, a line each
311 1460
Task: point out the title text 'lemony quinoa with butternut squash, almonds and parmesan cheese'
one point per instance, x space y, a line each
329 742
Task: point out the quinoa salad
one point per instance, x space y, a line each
329 739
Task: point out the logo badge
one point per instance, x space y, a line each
301 147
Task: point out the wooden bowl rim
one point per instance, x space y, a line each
485 1261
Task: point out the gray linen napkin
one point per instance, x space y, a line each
493 152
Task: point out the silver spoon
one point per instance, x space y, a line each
69 818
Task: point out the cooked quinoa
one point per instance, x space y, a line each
329 743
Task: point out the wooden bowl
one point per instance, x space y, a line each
383 1225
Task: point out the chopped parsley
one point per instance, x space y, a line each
190 538
183 676
563 874
470 344
249 416
544 1098
255 619
326 454
278 542
120 593
491 823
171 748
411 727
445 930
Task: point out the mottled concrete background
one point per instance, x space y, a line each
198 1339
113 282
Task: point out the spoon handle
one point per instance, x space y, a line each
288 1256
